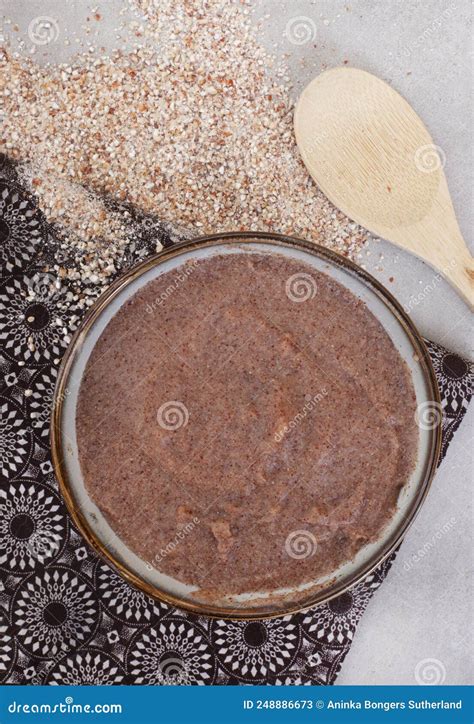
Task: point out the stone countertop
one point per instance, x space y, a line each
423 50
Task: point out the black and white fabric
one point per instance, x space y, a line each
65 616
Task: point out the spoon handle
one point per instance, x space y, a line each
437 239
460 274
439 242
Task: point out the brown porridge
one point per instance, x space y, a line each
245 423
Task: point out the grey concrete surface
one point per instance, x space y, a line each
424 50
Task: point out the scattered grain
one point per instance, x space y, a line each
194 126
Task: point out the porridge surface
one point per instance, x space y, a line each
245 423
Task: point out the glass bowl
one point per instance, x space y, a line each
250 605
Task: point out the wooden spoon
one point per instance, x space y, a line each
372 156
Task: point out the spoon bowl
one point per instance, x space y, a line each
373 157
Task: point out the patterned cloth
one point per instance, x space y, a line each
65 616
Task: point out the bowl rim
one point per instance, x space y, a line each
319 596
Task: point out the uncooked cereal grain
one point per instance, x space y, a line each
193 125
